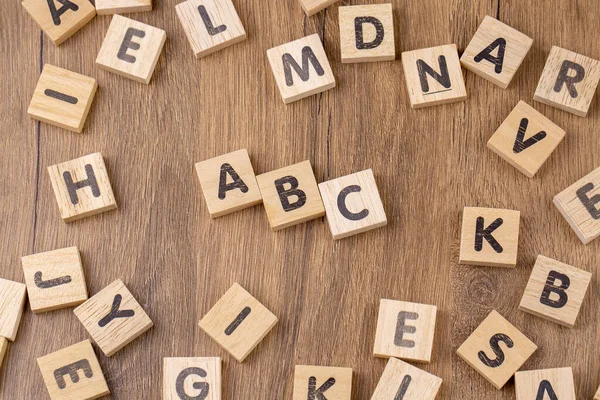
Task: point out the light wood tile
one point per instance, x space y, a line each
367 33
3 349
331 383
402 381
543 384
60 20
12 301
107 7
192 378
311 7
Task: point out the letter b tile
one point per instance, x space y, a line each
331 383
192 378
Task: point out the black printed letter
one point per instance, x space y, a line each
72 187
237 183
71 370
550 288
317 394
589 202
341 202
208 22
115 312
66 6
494 340
304 72
402 328
128 44
545 386
37 279
403 387
358 32
481 233
293 190
521 145
486 54
443 77
238 320
203 387
565 79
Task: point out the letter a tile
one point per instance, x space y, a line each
81 187
331 383
113 318
131 49
192 378
405 330
556 383
555 291
73 373
490 237
12 301
405 382
301 68
238 322
496 349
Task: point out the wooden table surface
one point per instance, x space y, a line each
177 262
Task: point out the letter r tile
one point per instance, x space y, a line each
405 330
314 382
113 318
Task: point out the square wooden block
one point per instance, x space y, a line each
580 205
54 279
597 395
62 98
311 7
301 68
107 7
192 378
113 318
403 381
73 373
496 51
238 322
405 330
367 33
81 187
526 139
568 82
490 237
433 76
12 301
556 383
290 195
496 349
210 25
228 183
3 349
352 204
131 49
555 291
60 20
331 383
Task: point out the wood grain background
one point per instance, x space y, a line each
177 262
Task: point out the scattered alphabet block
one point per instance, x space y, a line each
62 98
301 68
290 195
113 318
60 19
490 237
331 383
352 204
496 52
526 139
210 25
73 373
238 322
496 349
433 76
192 378
3 349
228 183
568 82
405 330
580 205
402 381
107 7
556 383
12 301
54 279
311 7
597 395
81 187
131 49
367 33
555 291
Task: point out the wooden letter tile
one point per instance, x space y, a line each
60 19
496 52
3 349
81 187
131 49
106 7
113 318
496 349
192 378
568 82
73 373
311 7
12 300
580 205
433 76
526 139
555 291
352 204
301 68
554 383
597 395
228 183
238 322
367 33
490 237
331 383
403 381
405 330
54 279
210 25
62 98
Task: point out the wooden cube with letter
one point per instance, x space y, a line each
314 382
311 7
191 378
12 301
60 19
367 33
402 381
107 7
555 383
